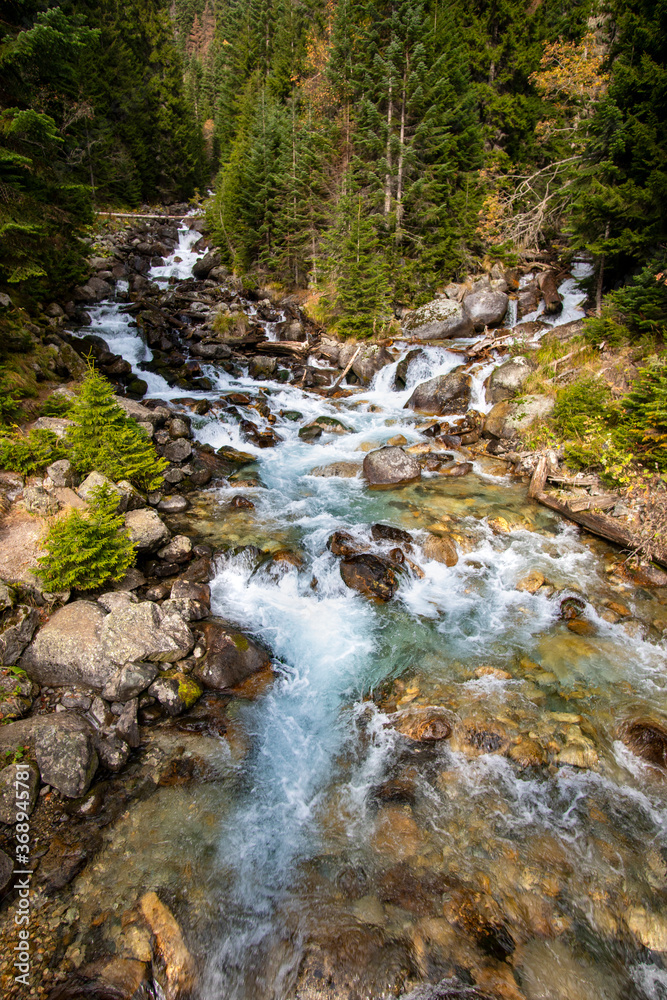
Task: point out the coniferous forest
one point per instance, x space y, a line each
372 150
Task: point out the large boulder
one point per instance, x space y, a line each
390 467
65 754
230 656
67 650
371 575
439 320
507 380
138 632
486 307
147 531
203 267
370 359
511 420
81 644
443 394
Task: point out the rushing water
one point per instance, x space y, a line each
343 857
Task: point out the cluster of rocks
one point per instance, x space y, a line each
481 302
97 669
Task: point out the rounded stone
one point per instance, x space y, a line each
390 466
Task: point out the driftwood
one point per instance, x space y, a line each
539 477
142 215
345 370
602 502
572 480
605 527
285 348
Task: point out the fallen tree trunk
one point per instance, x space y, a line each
285 348
605 527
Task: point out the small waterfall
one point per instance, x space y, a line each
511 317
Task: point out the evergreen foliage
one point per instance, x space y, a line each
106 440
645 413
92 110
29 453
87 551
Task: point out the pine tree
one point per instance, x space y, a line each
106 440
84 552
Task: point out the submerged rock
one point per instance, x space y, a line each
441 549
423 724
180 969
647 738
390 467
370 575
343 470
443 394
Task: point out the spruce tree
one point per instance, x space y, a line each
106 440
361 278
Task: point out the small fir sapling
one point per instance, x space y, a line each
105 439
87 551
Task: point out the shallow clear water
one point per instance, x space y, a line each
340 858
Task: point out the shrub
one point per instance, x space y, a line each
29 453
579 405
104 438
84 552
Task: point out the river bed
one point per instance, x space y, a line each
333 856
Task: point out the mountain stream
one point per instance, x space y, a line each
334 856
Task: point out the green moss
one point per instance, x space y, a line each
231 324
240 642
189 691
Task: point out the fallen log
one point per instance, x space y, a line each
604 527
285 348
142 215
539 477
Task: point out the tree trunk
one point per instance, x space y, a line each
387 179
401 154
